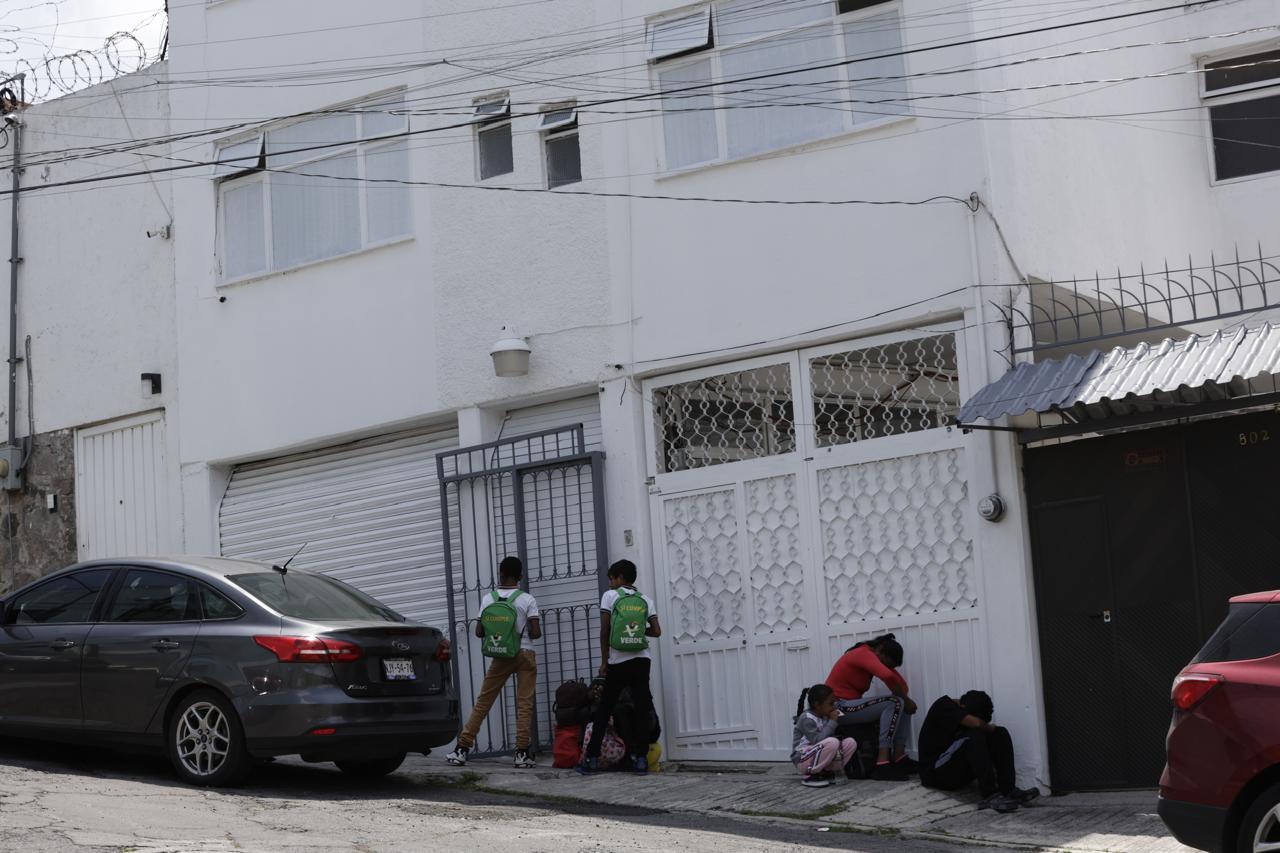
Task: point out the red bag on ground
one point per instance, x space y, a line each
567 745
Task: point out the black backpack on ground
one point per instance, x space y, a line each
572 705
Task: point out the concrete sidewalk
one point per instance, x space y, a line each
1123 821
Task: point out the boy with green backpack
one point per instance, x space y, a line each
509 623
627 620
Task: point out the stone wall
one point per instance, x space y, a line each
35 541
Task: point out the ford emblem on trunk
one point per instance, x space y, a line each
400 645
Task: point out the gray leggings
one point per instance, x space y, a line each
888 711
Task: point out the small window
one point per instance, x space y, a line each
559 118
147 596
1242 71
239 158
844 7
67 600
560 139
1249 632
679 36
1243 97
493 137
216 605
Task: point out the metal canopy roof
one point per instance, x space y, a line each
1146 378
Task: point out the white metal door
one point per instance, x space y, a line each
735 563
786 529
367 512
122 489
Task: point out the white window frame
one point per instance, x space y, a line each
358 146
1234 95
714 53
492 121
551 131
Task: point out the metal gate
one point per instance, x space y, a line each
1140 539
540 497
802 502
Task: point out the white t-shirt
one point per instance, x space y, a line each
606 606
526 607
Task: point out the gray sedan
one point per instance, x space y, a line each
222 662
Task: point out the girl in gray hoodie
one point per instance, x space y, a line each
814 747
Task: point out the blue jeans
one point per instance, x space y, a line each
889 712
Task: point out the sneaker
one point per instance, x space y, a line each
1024 795
524 760
815 781
908 765
1002 803
588 767
890 772
640 764
458 758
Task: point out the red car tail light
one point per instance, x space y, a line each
444 651
323 732
310 649
1190 689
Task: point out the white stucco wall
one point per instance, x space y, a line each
1077 196
95 293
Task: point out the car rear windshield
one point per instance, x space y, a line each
1250 631
313 597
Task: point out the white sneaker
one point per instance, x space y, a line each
458 758
815 782
524 760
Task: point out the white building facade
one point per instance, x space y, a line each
761 251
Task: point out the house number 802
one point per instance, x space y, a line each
1254 437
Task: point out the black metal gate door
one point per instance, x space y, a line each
1139 540
539 497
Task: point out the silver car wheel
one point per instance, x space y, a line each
203 737
1267 838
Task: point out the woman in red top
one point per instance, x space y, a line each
851 677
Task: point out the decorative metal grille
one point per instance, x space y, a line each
704 562
725 418
896 388
894 537
1153 299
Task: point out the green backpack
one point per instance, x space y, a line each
501 639
628 622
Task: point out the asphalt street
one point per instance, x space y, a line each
62 798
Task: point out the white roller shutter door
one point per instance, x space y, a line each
369 513
579 410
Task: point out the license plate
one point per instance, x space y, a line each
398 669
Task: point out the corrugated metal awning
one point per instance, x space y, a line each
1226 365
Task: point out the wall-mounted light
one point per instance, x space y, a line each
510 354
150 384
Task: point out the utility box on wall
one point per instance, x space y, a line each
10 467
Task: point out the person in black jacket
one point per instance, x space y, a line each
959 744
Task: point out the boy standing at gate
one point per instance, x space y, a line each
508 624
627 620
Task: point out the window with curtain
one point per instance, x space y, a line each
712 109
315 189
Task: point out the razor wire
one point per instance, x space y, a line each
60 74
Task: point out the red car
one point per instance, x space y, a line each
1221 785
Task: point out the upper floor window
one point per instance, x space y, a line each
712 109
559 126
313 189
1243 97
493 137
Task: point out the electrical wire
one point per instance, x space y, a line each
773 74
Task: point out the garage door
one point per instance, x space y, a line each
368 514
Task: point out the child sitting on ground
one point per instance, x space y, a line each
814 747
